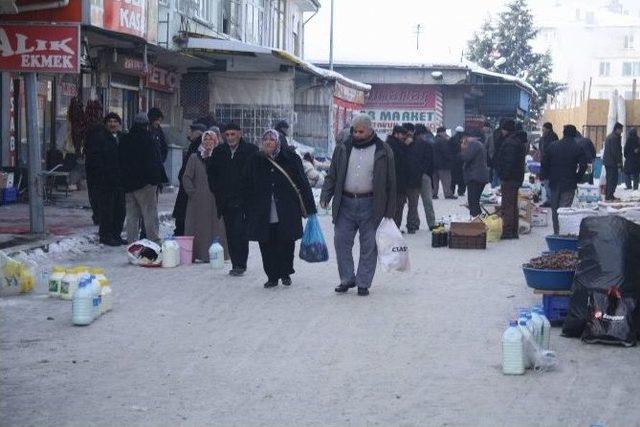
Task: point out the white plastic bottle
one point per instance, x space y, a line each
538 326
216 255
97 296
69 284
82 306
107 297
170 253
512 350
526 336
55 280
546 329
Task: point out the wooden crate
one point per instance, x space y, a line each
468 235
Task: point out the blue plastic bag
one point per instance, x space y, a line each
313 247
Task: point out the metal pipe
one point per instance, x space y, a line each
36 202
55 4
331 40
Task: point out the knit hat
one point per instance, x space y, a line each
155 114
141 119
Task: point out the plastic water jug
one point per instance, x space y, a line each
526 336
170 253
107 297
512 350
216 255
546 329
55 281
538 326
69 283
82 306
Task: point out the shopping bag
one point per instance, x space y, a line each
145 253
313 247
494 227
393 253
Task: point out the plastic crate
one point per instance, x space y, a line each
439 240
9 195
556 308
559 243
468 235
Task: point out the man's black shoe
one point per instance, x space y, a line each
432 227
110 242
435 197
545 205
411 231
363 292
271 284
451 197
286 281
344 288
120 240
237 272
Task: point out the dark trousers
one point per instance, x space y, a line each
631 180
235 225
612 181
473 197
510 218
412 196
111 212
277 256
559 199
92 192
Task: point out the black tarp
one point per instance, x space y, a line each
606 288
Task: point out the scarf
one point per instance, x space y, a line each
365 143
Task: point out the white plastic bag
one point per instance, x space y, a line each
145 253
393 253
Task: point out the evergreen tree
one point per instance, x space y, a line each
505 47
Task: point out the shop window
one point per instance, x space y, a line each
194 95
231 18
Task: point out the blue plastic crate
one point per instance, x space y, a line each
557 243
556 308
9 195
548 280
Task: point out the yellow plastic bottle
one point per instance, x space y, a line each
69 283
99 274
55 280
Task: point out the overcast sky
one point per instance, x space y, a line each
384 31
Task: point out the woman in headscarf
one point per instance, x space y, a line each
201 219
276 194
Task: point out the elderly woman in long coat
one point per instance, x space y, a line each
202 220
276 192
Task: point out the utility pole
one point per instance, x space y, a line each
36 202
331 39
417 33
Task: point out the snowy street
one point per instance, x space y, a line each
193 346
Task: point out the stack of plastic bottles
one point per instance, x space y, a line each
525 343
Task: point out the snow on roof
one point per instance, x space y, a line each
576 14
475 68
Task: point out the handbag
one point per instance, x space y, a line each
295 188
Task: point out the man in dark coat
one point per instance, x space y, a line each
396 142
589 150
547 138
273 206
473 155
563 164
103 166
361 185
632 159
612 160
224 170
283 131
141 173
509 163
442 164
457 176
417 155
425 140
180 208
155 121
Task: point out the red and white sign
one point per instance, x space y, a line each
401 96
161 79
125 16
40 48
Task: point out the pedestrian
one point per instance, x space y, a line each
632 159
141 175
155 126
415 163
224 169
313 175
510 167
277 195
283 134
396 142
563 165
442 163
612 160
475 170
344 134
180 206
457 176
424 138
103 167
92 143
589 150
362 189
201 219
410 128
487 140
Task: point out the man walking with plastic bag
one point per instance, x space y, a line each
361 184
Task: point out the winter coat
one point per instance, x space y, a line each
442 155
139 160
564 164
546 140
419 160
384 180
158 136
612 156
457 176
497 143
474 158
262 181
180 207
632 153
400 159
312 174
201 216
588 148
509 160
102 164
225 174
423 150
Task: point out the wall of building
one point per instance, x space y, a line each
454 112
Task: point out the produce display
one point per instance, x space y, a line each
563 260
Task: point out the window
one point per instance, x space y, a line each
198 9
605 69
254 21
231 18
628 41
631 69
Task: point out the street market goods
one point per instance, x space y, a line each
15 276
313 247
83 308
55 281
216 255
563 260
170 253
512 350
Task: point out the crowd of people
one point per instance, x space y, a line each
235 191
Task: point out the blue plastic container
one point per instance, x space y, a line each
558 243
549 280
597 167
556 307
534 167
9 195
